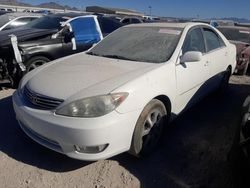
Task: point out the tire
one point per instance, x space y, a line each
243 70
245 124
35 62
224 82
246 106
148 129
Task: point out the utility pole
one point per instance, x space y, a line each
150 10
56 1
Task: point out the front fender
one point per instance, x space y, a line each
158 82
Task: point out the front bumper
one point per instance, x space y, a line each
62 133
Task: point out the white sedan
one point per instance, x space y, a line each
120 94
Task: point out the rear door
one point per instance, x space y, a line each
217 55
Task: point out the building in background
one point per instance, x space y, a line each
113 11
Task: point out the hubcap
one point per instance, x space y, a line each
35 65
151 129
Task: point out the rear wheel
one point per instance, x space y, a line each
148 129
35 62
224 82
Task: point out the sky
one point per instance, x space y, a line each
169 8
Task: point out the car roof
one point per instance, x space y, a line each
70 14
163 24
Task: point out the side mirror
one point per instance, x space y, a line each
191 56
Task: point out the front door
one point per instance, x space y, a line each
86 32
191 76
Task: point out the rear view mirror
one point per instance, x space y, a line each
191 56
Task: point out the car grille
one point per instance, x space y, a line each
40 101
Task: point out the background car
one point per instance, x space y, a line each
240 36
131 20
52 37
120 94
15 20
239 155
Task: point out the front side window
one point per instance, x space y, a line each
213 41
144 44
85 30
194 41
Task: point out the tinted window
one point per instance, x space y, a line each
145 44
194 41
46 22
126 20
108 25
212 40
19 22
236 34
134 20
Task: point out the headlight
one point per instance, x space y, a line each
93 106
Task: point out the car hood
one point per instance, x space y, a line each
23 34
83 75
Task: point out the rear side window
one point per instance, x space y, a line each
126 21
213 41
133 20
194 41
108 25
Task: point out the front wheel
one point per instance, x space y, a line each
148 129
35 62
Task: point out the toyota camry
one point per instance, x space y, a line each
121 94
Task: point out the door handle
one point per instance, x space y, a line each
206 64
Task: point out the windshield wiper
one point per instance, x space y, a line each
109 56
117 57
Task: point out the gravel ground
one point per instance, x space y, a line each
193 152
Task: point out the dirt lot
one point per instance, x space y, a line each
193 152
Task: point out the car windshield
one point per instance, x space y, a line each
144 44
236 34
46 22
